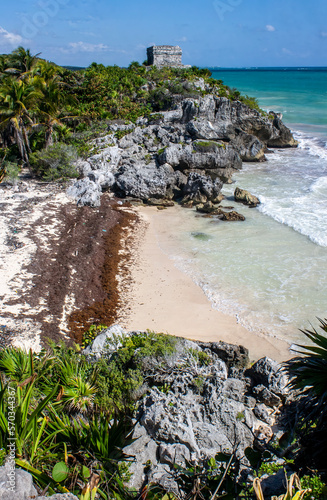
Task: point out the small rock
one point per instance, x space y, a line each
266 396
261 412
232 216
160 202
107 342
245 197
268 372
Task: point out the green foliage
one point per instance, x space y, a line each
16 363
205 146
269 468
147 159
60 472
91 334
3 454
44 396
41 103
120 378
201 357
121 133
251 102
11 171
55 162
213 479
316 485
294 490
309 372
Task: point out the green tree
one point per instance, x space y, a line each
17 105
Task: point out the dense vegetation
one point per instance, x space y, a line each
73 417
42 103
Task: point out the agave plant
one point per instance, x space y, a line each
292 483
309 372
16 363
78 390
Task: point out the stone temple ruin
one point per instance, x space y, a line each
165 55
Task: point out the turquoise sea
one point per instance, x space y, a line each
270 271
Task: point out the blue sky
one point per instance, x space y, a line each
226 33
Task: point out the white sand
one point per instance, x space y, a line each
14 279
164 299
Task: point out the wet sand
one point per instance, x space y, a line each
165 299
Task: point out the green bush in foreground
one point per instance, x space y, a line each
55 162
309 373
73 419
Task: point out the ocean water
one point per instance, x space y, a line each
269 271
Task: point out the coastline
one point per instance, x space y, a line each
164 299
79 266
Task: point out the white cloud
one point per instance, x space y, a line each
323 34
269 27
9 38
78 47
182 39
287 52
74 47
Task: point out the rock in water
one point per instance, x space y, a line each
245 197
233 216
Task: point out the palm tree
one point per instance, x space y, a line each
23 61
17 104
52 104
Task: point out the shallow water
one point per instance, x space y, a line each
269 271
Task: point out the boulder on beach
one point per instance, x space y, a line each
243 196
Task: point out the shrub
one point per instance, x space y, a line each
316 485
309 372
55 162
11 171
206 146
121 133
91 334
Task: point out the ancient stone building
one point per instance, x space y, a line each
165 55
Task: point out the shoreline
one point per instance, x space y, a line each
79 266
164 299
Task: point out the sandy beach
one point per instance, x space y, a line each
64 268
164 299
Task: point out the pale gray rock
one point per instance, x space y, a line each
119 125
83 167
107 342
172 454
201 188
249 147
59 496
262 413
145 450
146 181
217 158
103 178
85 192
266 396
268 372
234 389
23 487
107 157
